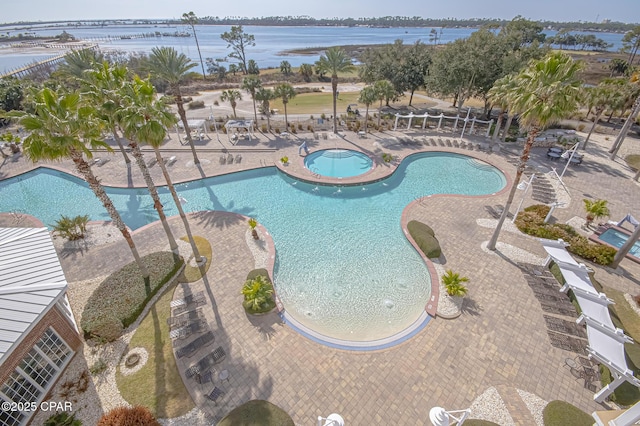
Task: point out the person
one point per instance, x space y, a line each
303 146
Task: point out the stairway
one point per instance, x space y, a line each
542 190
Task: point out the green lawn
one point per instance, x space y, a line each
158 385
317 103
633 161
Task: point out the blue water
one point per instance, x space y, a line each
339 163
343 267
271 42
617 239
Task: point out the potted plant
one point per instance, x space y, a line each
387 158
258 295
450 304
252 224
595 210
284 160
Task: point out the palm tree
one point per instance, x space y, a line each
147 120
599 97
129 121
250 84
499 94
595 209
102 86
61 127
367 97
306 70
171 67
264 96
285 91
285 68
231 96
191 19
78 61
385 91
626 247
452 282
544 92
335 61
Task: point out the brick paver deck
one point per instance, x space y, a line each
500 340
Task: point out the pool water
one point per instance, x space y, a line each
343 266
617 239
339 163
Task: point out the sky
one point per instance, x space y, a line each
552 10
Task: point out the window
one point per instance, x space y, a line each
32 378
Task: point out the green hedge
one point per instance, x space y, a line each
561 413
530 221
121 297
424 236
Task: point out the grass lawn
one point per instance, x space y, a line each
158 384
633 161
560 413
194 273
318 103
257 413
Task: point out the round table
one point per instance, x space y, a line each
223 375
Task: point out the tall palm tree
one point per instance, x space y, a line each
499 94
171 67
367 97
285 91
250 84
265 96
102 85
334 61
544 92
147 121
232 96
128 120
599 97
633 115
385 91
192 20
60 127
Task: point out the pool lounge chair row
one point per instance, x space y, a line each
228 159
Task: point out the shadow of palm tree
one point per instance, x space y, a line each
470 307
266 324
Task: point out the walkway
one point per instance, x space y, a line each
499 341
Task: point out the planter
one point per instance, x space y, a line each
449 307
132 360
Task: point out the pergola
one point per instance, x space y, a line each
442 117
199 126
606 342
238 124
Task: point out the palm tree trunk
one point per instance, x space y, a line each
507 127
514 187
137 154
411 97
637 176
496 131
204 75
174 194
85 170
183 118
233 106
286 118
255 112
334 88
118 139
379 114
625 128
366 118
599 112
625 248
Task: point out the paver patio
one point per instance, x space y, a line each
500 340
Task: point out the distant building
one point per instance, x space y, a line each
38 334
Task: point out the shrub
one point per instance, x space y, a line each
124 294
98 367
263 128
284 160
63 419
530 221
71 228
258 293
196 104
424 237
452 282
216 103
123 416
561 413
387 158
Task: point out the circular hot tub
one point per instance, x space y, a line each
338 163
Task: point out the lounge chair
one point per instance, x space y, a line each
223 159
238 158
171 160
215 394
218 355
230 159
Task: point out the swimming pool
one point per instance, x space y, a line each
343 266
339 163
616 237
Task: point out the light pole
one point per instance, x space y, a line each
523 186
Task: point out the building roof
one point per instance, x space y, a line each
31 282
